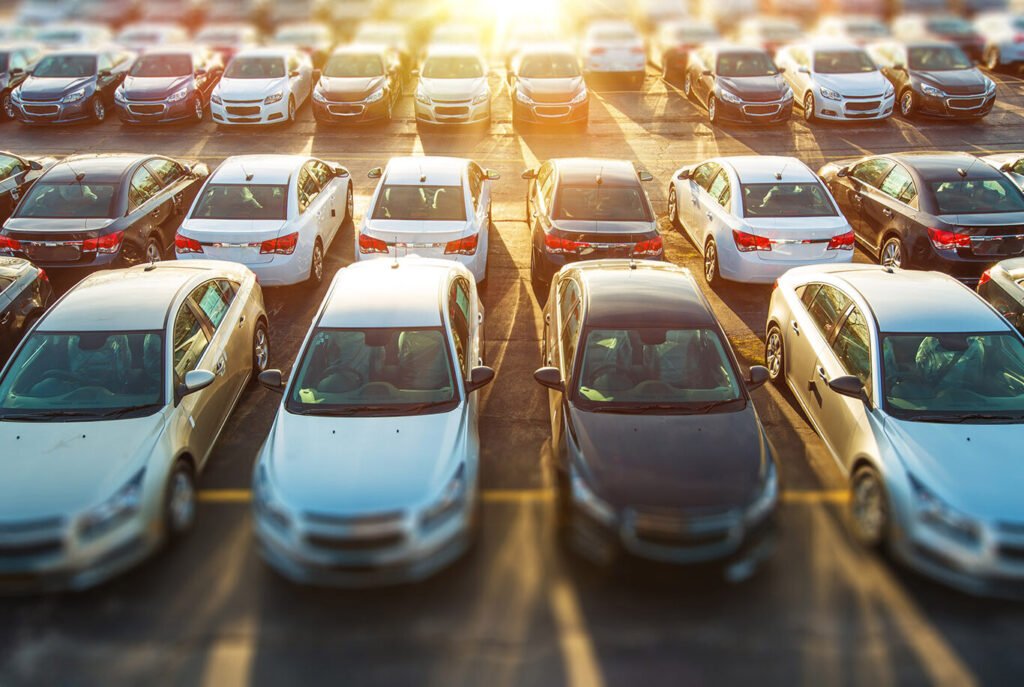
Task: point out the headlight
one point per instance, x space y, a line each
523 98
375 96
928 89
586 500
990 86
482 98
422 98
16 95
74 97
829 93
264 503
451 499
579 97
729 97
275 98
319 96
765 503
119 95
936 514
890 91
179 94
216 99
115 510
787 95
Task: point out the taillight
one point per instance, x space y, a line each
562 246
465 246
283 245
747 243
637 50
9 244
43 276
841 242
1019 38
943 239
649 247
368 244
597 51
104 245
986 277
183 244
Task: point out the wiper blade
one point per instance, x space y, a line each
679 408
44 415
127 410
964 417
393 409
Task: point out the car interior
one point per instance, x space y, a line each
70 200
242 201
436 203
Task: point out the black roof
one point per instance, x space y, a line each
94 167
942 166
619 296
585 171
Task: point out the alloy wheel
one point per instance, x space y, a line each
809 107
260 348
8 107
907 104
99 111
291 109
713 109
711 263
153 251
316 268
181 506
199 109
868 507
350 207
773 353
673 207
892 253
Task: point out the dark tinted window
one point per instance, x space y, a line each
452 68
162 66
976 196
214 300
786 200
242 201
871 171
704 174
168 171
549 66
899 185
458 313
602 203
437 203
842 62
190 342
70 200
938 58
827 308
741 64
66 66
144 186
9 166
852 347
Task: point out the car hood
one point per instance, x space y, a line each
551 90
142 88
452 89
62 468
754 87
37 88
973 468
956 81
710 461
368 464
860 84
250 89
232 230
350 88
45 225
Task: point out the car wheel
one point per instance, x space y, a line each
350 206
673 208
7 107
152 251
712 275
260 348
892 254
713 110
291 110
809 115
907 104
992 58
99 110
316 264
774 356
869 508
389 109
197 108
688 85
180 501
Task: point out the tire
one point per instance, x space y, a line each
775 356
907 104
893 253
673 208
179 501
152 251
260 348
292 111
869 508
7 107
809 116
198 111
712 273
389 113
713 110
350 206
316 265
535 279
99 110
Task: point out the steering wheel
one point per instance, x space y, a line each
616 368
347 371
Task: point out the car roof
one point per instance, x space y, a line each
585 170
436 171
107 167
265 169
624 293
725 47
762 169
133 299
267 51
376 293
454 50
939 165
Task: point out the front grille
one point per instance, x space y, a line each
243 111
243 102
552 110
863 106
44 547
345 109
388 518
371 543
965 103
452 111
243 120
28 526
683 530
145 109
42 109
761 110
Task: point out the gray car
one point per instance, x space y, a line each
922 408
109 409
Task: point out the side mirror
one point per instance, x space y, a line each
340 172
492 174
645 176
899 66
843 172
414 72
529 174
849 386
707 72
104 73
17 71
550 377
375 173
35 165
195 380
1005 167
272 379
479 377
684 174
804 70
293 73
757 375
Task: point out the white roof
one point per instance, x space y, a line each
446 50
375 293
281 51
435 171
265 169
761 169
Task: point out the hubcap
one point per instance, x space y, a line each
183 502
8 107
199 108
152 252
99 110
261 349
711 109
773 354
907 103
291 110
867 507
892 254
710 260
809 107
673 212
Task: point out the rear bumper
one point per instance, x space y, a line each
750 268
476 263
280 270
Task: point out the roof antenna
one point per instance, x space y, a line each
778 175
248 175
962 172
394 243
79 176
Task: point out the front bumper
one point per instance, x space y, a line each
455 112
773 112
52 112
350 112
155 112
851 109
551 113
250 113
955 106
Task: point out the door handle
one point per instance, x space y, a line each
887 212
241 321
796 328
221 365
821 375
709 215
334 213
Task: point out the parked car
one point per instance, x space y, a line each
262 86
1010 164
389 34
587 209
671 44
188 13
227 40
169 84
16 61
143 36
636 363
1002 285
755 217
547 87
110 13
90 212
836 82
930 210
896 387
276 214
859 29
737 84
767 33
71 86
1001 32
359 83
935 79
377 511
25 294
314 39
434 207
118 415
453 88
613 48
73 35
17 174
946 27
36 13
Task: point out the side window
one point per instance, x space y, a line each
704 174
104 61
168 171
827 309
9 166
852 347
144 186
190 342
476 183
569 317
307 189
18 61
719 185
458 313
899 184
546 185
725 195
872 171
213 300
321 172
807 294
1018 167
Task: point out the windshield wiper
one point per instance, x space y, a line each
393 409
127 410
965 417
45 415
682 408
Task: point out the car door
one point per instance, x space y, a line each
807 341
853 191
704 75
333 191
310 222
712 209
890 207
148 209
190 349
216 300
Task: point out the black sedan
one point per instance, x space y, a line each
949 212
547 87
17 174
935 79
658 451
71 86
92 212
738 84
15 63
358 84
25 293
169 85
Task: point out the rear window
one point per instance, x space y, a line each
602 203
969 197
68 201
430 203
242 201
786 200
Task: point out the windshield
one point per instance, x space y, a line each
68 200
550 66
842 62
162 66
242 201
867 29
938 58
602 203
950 27
88 375
374 371
614 36
452 68
786 200
437 203
977 196
350 66
680 369
65 66
946 376
745 64
255 68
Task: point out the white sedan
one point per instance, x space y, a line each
614 48
370 474
436 207
836 82
263 86
276 214
755 217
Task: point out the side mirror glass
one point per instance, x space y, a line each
492 174
707 72
293 73
35 165
104 73
195 380
684 175
550 377
272 379
1006 167
529 174
479 377
341 172
375 173
756 377
849 386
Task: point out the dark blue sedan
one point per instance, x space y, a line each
169 85
71 86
